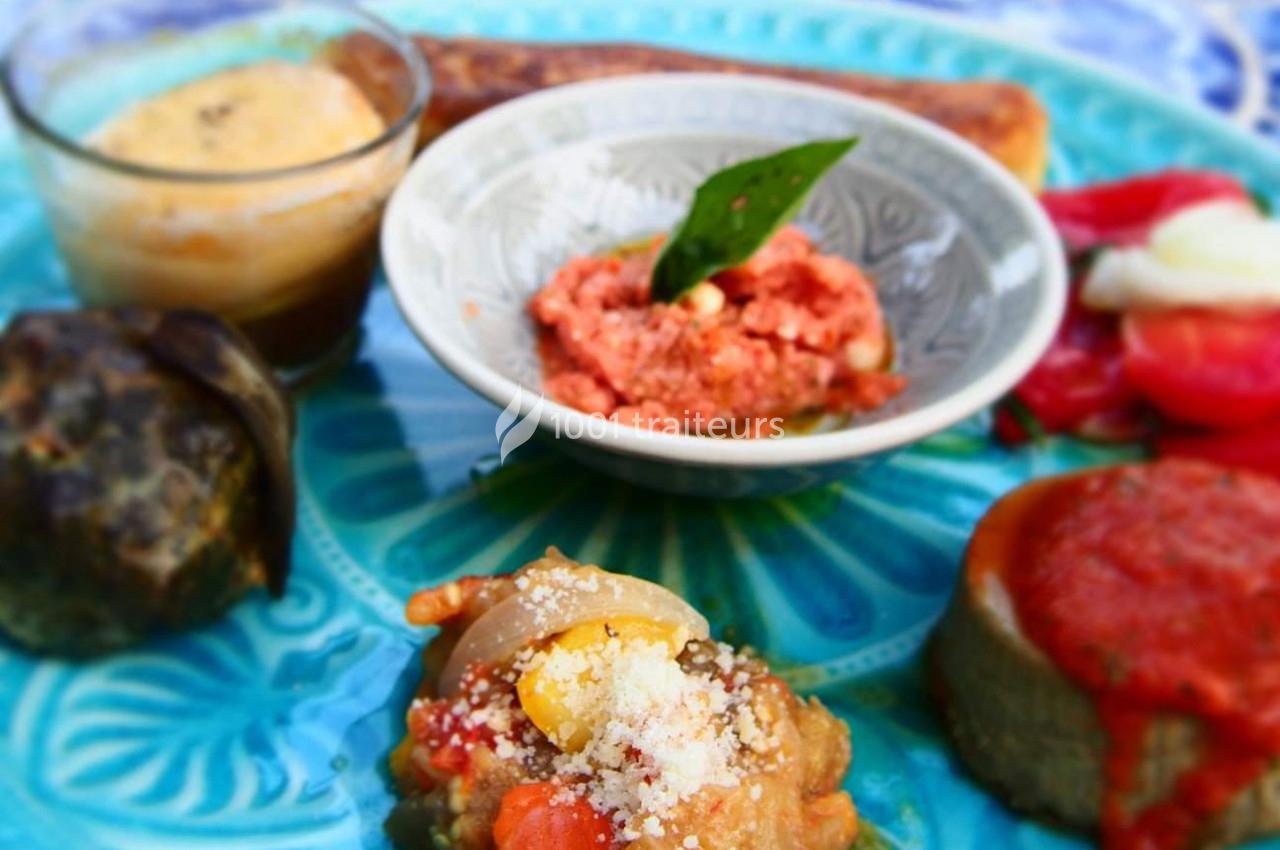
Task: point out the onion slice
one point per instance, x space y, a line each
552 601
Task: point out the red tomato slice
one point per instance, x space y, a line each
1256 448
1204 367
533 817
1123 213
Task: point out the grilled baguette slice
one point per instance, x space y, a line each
471 75
1030 733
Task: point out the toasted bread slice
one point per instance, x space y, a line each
1029 732
470 75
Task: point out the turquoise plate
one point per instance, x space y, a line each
269 730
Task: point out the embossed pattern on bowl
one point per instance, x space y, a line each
968 269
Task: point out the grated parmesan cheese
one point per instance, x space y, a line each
559 585
658 733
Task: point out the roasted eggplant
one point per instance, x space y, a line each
145 476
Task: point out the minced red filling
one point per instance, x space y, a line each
798 332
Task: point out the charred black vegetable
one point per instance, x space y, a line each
145 475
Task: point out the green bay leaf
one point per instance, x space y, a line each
736 210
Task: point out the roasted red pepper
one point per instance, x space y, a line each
1080 386
1123 213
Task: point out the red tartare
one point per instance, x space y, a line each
792 331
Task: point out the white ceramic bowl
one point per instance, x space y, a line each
969 269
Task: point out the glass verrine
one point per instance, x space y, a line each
285 252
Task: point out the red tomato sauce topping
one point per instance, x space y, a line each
797 332
1157 589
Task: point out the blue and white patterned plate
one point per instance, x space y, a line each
269 730
1208 50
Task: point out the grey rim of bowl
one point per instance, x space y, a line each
402 43
845 444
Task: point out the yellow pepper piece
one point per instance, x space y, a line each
553 707
399 761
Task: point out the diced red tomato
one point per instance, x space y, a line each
1205 367
1123 213
534 817
434 725
448 734
450 759
1256 448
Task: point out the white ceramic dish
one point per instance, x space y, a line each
970 271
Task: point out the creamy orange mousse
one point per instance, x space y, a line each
251 118
287 257
790 332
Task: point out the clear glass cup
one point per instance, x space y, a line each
287 253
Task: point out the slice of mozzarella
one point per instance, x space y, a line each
1220 254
